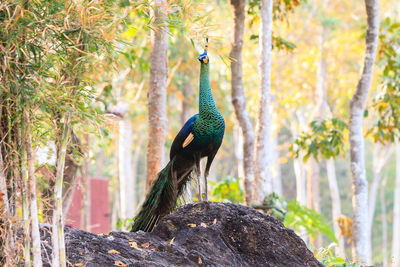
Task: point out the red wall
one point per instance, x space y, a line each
99 207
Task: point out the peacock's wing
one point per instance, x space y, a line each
184 137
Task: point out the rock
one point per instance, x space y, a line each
200 234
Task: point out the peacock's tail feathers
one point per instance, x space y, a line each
162 197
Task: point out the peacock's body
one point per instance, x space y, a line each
200 137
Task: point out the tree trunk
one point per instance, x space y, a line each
396 212
384 224
275 169
324 112
71 167
239 99
7 253
300 171
238 149
70 171
263 181
23 184
36 248
360 244
126 183
59 258
85 181
336 205
381 155
157 91
313 198
135 165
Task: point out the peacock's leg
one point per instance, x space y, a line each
205 186
208 165
198 173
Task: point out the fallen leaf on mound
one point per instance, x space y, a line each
113 251
133 244
119 263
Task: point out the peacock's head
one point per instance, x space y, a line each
203 58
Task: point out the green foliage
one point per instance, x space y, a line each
325 139
274 206
124 224
281 8
387 104
300 218
278 42
328 258
227 190
296 216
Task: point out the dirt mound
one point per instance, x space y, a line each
201 234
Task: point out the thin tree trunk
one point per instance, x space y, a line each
323 113
238 140
157 91
85 180
300 171
8 251
24 195
275 169
263 181
59 256
384 224
238 97
135 164
360 244
70 171
313 198
396 212
126 184
380 157
336 205
35 233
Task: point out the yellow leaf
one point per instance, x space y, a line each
133 244
200 260
119 263
192 225
113 251
78 264
110 238
203 224
172 241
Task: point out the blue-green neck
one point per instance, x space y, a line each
206 100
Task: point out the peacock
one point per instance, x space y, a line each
200 137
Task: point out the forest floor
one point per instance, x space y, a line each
200 234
